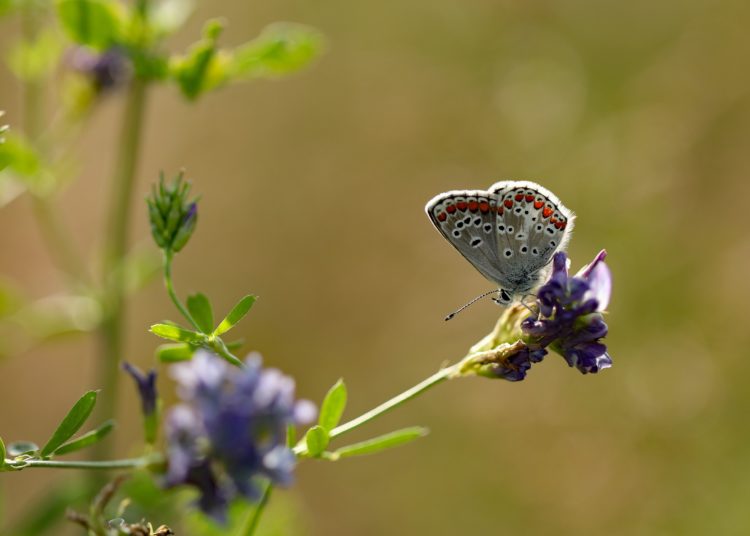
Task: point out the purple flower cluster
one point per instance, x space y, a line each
105 71
231 429
515 367
570 320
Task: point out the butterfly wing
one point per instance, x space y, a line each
532 224
467 219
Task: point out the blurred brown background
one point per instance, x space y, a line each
636 114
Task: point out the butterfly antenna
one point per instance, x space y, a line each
472 302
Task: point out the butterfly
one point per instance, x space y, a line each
509 232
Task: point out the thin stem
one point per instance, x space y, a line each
115 249
57 240
254 520
55 236
33 109
168 256
131 463
423 386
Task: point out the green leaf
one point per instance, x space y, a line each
203 67
175 333
219 348
18 448
316 440
18 155
200 310
235 315
2 453
35 60
235 345
87 439
280 49
71 423
94 23
171 353
380 443
333 406
57 315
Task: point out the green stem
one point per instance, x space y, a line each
132 463
33 109
57 240
115 249
168 257
254 520
56 237
423 386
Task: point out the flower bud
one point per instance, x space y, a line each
146 385
172 216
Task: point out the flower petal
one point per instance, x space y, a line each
600 285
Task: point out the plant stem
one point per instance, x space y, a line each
254 520
57 240
131 463
168 256
115 249
33 110
423 386
55 236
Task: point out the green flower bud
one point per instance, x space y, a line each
172 215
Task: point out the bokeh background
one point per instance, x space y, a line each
636 114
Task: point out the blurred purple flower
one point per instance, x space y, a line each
230 429
146 384
106 70
570 320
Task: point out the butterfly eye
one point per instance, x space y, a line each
504 296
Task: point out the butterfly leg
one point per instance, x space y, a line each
532 311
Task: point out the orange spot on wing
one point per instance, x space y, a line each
484 207
462 205
547 212
473 206
529 198
442 216
508 203
450 209
519 197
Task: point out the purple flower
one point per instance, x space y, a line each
570 320
231 429
514 367
146 384
106 71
